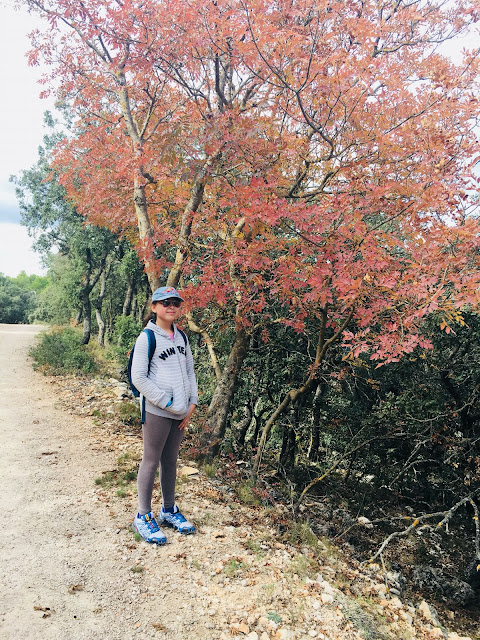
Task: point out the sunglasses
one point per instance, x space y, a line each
171 301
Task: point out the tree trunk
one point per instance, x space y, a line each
243 426
289 446
193 326
98 307
193 204
224 391
88 284
313 449
87 315
144 229
127 303
140 201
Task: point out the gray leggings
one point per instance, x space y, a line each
161 444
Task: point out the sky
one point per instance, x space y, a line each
21 112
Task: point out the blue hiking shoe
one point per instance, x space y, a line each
147 527
173 518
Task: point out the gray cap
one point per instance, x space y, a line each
163 293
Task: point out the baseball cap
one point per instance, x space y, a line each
163 293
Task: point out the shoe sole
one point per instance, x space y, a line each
159 543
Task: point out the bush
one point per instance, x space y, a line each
61 351
16 302
129 413
125 333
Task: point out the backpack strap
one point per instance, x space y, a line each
152 344
183 336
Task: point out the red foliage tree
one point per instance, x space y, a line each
305 162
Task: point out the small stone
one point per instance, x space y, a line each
253 635
326 598
188 471
426 612
379 588
240 627
405 616
365 522
327 588
396 603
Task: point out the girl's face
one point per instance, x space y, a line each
167 313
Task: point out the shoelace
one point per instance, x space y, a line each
152 524
178 517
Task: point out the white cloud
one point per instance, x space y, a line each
21 108
16 253
21 112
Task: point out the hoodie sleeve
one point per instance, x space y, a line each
146 386
191 375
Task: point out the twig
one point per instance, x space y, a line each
447 516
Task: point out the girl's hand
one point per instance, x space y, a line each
185 422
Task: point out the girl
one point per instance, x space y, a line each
169 387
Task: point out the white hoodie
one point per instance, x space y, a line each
171 373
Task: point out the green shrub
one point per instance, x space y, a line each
125 333
129 413
61 351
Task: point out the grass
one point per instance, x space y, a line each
137 569
233 567
303 566
364 622
129 413
255 548
245 493
210 470
122 477
301 534
106 480
269 590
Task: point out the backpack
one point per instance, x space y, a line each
152 343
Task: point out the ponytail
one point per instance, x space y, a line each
150 316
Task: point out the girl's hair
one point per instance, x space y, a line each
150 316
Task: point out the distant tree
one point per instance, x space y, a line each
55 223
16 301
31 282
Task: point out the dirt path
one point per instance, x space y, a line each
71 567
59 566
